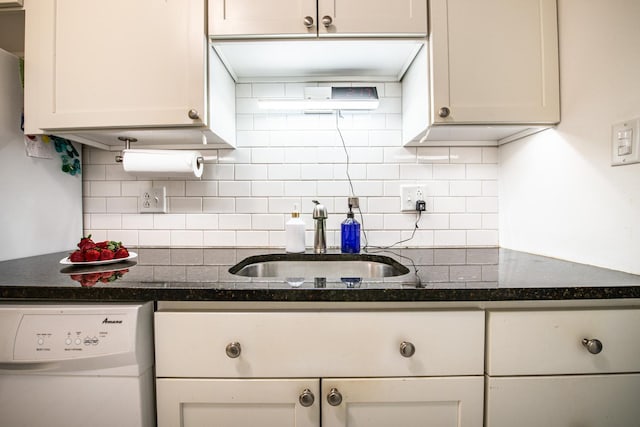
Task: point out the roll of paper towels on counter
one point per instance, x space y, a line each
162 162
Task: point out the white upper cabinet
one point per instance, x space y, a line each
493 62
117 64
310 18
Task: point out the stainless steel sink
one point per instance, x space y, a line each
310 266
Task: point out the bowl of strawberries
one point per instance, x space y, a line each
98 253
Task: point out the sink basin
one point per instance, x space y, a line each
310 266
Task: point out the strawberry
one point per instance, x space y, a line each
122 252
106 254
91 255
86 243
102 245
77 256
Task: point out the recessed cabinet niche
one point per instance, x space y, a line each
311 18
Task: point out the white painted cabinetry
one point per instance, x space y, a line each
563 368
311 18
491 62
11 3
123 65
370 368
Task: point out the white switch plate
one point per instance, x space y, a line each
409 195
153 200
625 142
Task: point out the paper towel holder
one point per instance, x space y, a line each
127 145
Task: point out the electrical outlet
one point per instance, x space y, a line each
409 195
153 200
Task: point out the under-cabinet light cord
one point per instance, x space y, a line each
366 246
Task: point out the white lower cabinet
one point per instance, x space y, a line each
330 369
564 368
354 402
564 401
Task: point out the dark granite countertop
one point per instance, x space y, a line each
436 275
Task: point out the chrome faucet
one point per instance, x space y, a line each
320 234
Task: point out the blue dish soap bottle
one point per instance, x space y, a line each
350 233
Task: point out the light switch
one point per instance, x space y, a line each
625 142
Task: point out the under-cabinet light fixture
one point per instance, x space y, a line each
326 99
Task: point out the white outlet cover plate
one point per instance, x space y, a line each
625 142
409 195
153 200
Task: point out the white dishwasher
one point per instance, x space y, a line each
76 365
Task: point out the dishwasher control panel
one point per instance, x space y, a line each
44 336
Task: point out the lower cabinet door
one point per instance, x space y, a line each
406 402
238 403
564 401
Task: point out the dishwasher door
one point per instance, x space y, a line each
76 365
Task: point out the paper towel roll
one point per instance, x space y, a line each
162 162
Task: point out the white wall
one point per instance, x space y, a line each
246 196
41 206
559 196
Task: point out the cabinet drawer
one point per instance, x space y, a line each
551 342
563 400
319 344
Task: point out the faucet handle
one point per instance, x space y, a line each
319 211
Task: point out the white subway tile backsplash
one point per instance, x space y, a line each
122 204
192 238
465 154
219 238
234 221
251 172
267 222
455 171
483 171
154 238
284 172
234 188
94 204
252 238
251 204
433 155
104 189
169 221
267 188
201 222
137 222
383 171
185 204
219 204
246 194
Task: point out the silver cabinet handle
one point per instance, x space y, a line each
233 350
594 346
327 21
334 397
407 349
444 112
308 21
193 114
307 398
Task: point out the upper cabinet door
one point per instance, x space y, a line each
121 63
494 61
372 17
259 18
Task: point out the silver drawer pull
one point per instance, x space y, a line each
334 397
594 346
233 350
306 398
407 349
